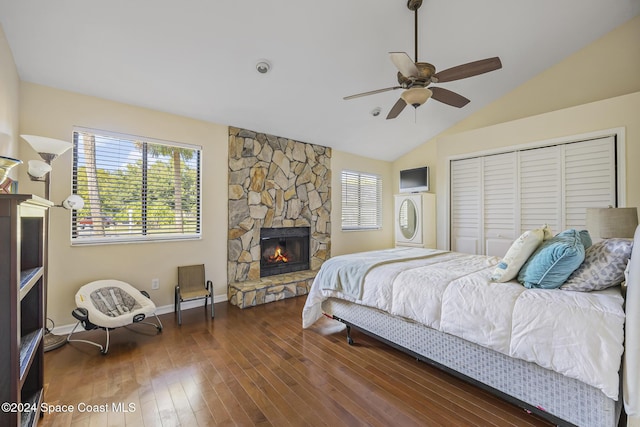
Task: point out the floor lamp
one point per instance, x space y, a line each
49 149
6 164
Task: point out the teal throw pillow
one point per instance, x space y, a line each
554 261
585 238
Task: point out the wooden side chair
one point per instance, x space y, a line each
191 286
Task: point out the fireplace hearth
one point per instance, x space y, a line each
283 250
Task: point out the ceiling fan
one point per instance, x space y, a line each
414 76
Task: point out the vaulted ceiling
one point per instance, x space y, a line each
197 58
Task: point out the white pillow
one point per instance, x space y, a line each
547 232
518 254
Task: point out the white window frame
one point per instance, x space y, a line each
363 205
144 234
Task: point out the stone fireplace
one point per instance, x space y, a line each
275 184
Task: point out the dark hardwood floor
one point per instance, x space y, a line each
258 367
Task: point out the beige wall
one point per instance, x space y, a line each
343 242
605 69
9 86
50 112
618 112
53 113
581 94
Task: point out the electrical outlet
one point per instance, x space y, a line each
155 283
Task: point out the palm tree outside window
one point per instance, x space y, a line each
135 189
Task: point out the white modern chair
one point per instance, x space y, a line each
110 304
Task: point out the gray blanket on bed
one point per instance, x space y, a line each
346 273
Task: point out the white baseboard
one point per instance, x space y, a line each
66 329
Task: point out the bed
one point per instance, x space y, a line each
534 347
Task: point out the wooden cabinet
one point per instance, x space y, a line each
22 291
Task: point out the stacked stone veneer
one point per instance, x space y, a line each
274 182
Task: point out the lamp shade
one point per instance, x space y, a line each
6 163
45 145
73 202
38 168
606 223
416 96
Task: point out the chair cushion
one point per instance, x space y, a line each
201 293
113 301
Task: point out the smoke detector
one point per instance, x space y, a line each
263 66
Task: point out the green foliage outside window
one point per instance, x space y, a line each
134 189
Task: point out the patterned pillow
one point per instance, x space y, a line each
603 266
517 255
554 261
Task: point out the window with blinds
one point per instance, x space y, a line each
361 201
134 189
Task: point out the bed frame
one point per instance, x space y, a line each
559 399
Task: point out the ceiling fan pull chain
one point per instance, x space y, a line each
415 36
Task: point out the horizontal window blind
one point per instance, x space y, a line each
361 201
134 189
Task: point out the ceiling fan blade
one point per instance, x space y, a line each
373 92
396 109
448 97
468 70
404 64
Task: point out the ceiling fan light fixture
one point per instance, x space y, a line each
416 96
414 76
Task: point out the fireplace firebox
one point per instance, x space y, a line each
283 250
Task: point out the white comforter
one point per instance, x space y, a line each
578 334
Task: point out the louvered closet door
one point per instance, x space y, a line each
500 203
466 213
589 180
541 188
495 198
